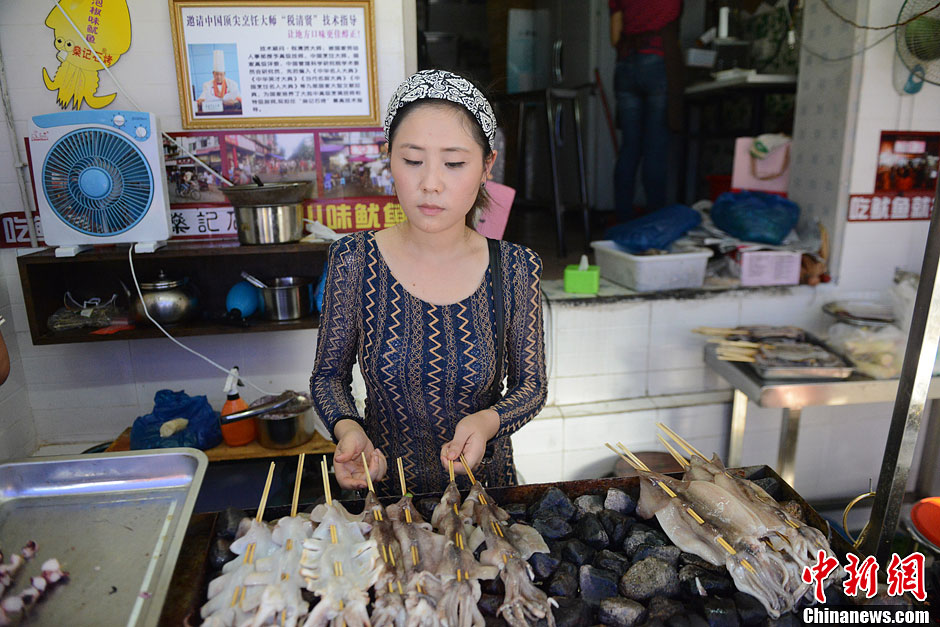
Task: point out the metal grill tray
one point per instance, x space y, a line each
808 372
115 522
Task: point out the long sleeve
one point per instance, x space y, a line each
525 344
338 337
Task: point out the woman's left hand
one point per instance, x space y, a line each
470 438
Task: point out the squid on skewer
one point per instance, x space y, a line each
19 604
523 602
279 573
459 571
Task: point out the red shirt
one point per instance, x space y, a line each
643 16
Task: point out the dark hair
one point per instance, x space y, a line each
482 201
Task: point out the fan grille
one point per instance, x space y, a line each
918 41
97 181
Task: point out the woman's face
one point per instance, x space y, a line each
438 168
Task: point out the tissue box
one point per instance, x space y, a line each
768 267
582 281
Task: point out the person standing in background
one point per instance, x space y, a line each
648 87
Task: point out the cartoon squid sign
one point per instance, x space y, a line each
105 26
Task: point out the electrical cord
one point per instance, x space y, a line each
130 259
866 27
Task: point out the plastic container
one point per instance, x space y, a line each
650 273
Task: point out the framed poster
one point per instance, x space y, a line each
275 63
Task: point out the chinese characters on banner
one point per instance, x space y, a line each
905 179
889 208
282 61
903 575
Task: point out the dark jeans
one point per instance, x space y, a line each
641 91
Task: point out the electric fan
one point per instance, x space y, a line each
918 42
99 179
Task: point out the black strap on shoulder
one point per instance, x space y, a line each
496 274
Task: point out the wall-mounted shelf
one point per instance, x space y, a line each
213 267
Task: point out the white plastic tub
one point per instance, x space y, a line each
649 273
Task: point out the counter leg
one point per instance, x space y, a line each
736 435
927 470
786 456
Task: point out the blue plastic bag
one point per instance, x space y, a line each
655 230
755 216
202 432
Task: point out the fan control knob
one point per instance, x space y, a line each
118 120
140 131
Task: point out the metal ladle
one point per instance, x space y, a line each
254 280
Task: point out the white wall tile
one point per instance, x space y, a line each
539 436
572 390
684 380
588 463
17 430
539 468
84 424
592 432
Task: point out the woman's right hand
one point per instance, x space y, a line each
347 458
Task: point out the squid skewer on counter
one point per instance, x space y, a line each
8 571
421 550
508 550
339 564
389 607
459 571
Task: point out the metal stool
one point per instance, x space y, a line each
555 100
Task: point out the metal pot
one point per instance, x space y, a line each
284 421
270 224
167 300
288 298
269 214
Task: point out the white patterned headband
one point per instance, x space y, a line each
444 85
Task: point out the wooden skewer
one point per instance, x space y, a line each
463 460
264 495
401 477
324 470
685 444
450 469
636 459
675 454
365 465
720 331
747 360
300 472
722 342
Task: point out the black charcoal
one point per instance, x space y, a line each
563 584
516 510
553 502
668 553
771 486
720 612
695 560
572 612
648 578
426 506
552 527
694 580
577 552
597 584
543 565
641 534
489 604
493 586
590 531
687 620
616 525
621 612
619 501
588 504
611 561
661 608
227 523
219 553
750 610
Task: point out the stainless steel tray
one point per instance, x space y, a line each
808 372
115 522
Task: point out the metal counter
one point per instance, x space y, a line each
792 397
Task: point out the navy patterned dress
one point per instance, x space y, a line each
427 366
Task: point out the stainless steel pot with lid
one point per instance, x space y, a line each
269 213
284 421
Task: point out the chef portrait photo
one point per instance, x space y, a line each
214 69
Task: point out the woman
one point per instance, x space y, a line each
414 304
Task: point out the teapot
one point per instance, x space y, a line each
168 300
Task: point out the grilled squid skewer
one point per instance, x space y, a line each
388 610
421 551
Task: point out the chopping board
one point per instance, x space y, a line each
317 445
